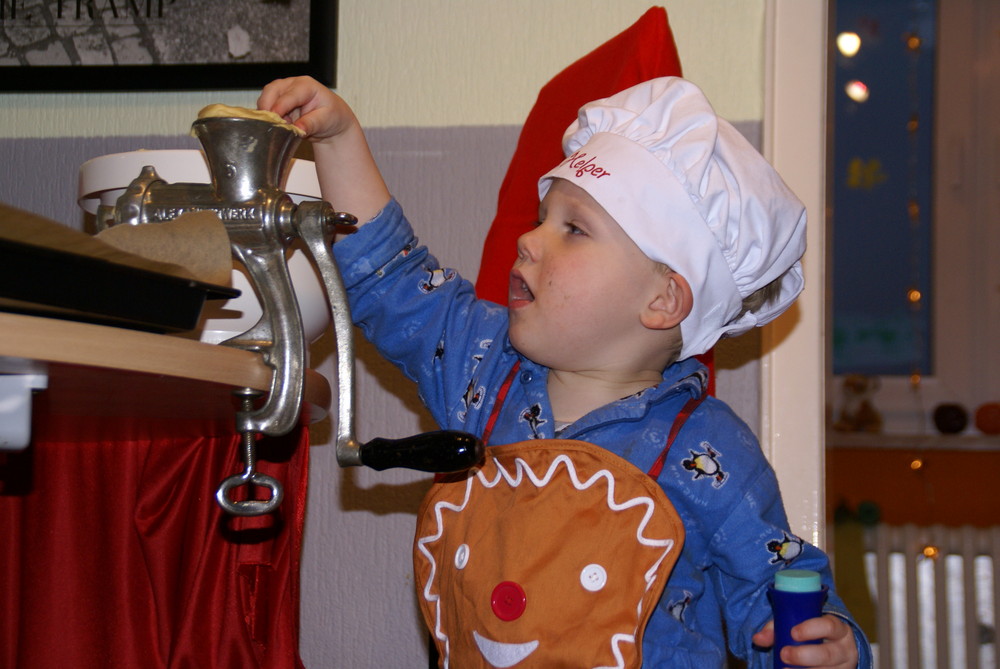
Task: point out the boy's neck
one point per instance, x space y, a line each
575 394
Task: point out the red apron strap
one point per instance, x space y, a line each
679 421
657 467
501 396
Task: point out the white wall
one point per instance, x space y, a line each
444 63
792 369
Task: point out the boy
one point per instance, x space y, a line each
661 232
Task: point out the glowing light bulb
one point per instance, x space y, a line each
913 295
848 43
931 552
856 90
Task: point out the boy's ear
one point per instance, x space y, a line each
671 304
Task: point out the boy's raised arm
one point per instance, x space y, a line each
349 179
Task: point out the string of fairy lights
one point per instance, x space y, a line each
849 43
914 126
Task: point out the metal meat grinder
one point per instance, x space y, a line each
248 160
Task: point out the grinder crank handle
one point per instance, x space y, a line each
445 451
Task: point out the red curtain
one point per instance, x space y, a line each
114 553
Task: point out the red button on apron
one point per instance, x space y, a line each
509 601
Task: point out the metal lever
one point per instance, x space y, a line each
443 451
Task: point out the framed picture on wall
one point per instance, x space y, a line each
156 45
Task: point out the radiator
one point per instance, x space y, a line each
936 593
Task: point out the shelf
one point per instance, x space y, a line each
915 442
96 369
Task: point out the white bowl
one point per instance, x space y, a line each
104 179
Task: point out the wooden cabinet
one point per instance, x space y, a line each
921 479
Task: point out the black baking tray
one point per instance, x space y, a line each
42 281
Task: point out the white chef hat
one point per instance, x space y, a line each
693 194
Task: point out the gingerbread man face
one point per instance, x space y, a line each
554 553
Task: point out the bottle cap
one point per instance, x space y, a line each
797 580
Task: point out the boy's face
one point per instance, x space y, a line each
578 286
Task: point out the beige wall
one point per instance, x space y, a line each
445 63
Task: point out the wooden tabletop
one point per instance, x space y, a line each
116 371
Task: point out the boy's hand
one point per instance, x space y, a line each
349 179
838 650
308 104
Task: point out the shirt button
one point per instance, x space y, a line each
526 376
593 577
462 556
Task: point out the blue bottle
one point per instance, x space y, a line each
796 595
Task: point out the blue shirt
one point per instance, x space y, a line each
427 320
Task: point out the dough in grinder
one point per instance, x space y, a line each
226 111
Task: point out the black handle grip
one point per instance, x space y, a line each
444 451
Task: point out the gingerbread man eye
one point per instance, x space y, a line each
462 556
593 577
